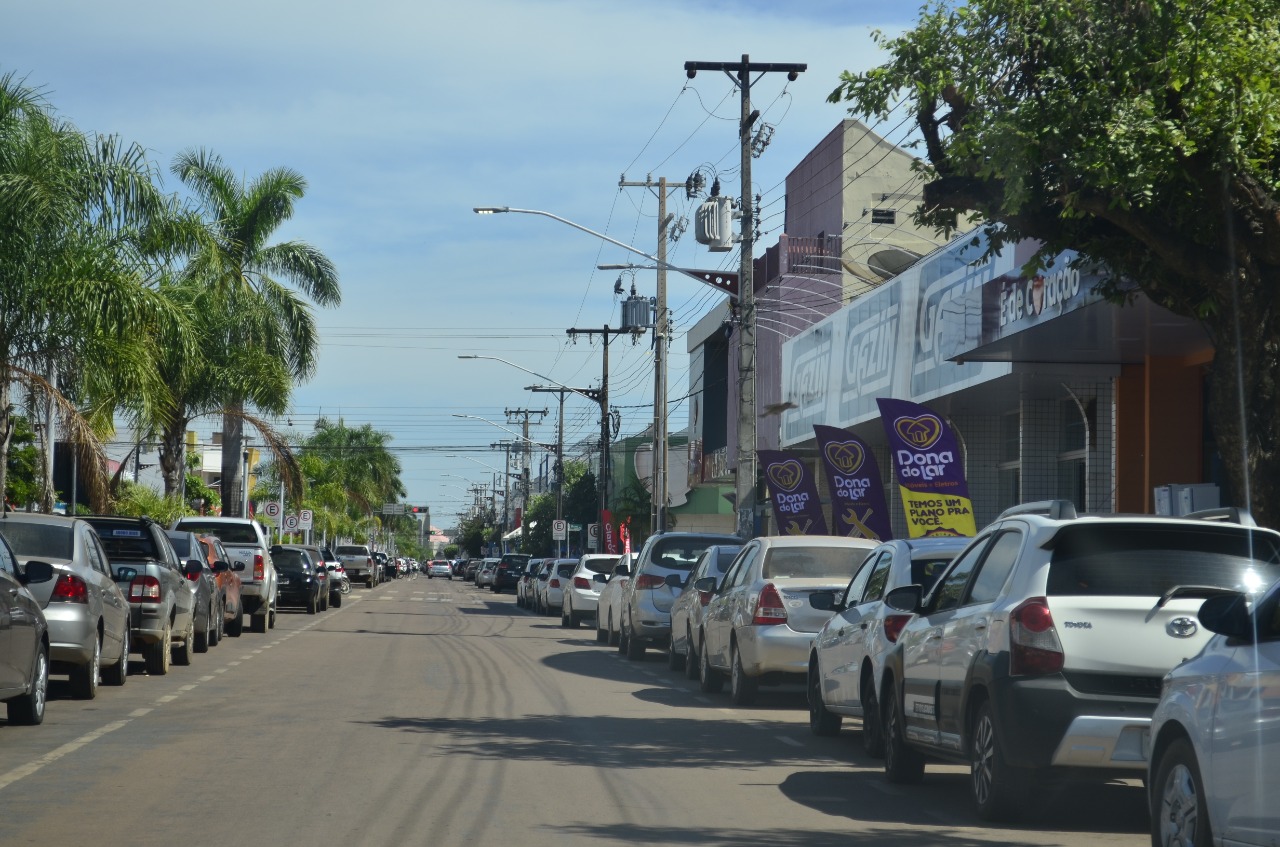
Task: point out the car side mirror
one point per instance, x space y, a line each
36 572
124 574
600 577
823 601
1228 614
707 585
199 562
908 598
221 567
193 569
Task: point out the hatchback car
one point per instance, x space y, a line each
1214 768
529 578
686 614
507 574
609 604
551 583
582 588
484 576
86 611
300 581
759 622
208 609
439 567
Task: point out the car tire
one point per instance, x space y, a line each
368 583
999 790
1178 806
710 680
271 618
84 678
119 672
615 635
219 624
872 724
635 648
313 605
182 655
28 710
822 722
159 655
602 636
675 661
566 617
235 627
902 765
337 602
202 640
258 623
622 640
690 656
742 688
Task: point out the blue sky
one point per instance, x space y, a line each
404 115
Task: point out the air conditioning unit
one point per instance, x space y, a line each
713 224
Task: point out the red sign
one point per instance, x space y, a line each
610 538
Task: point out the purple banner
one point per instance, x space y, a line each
930 472
858 505
795 494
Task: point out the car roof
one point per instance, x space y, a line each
817 541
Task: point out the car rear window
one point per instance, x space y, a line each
566 569
347 550
680 554
601 565
812 562
287 560
1129 560
724 559
230 533
36 540
128 542
181 544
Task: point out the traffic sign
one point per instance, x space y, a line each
393 508
290 523
559 530
305 518
575 527
271 509
593 536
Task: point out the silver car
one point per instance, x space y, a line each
758 625
662 567
583 586
551 582
484 576
87 613
686 614
609 604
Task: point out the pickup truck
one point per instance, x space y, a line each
159 588
245 541
358 562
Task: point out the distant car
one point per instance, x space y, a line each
687 612
582 589
484 576
300 582
469 570
551 590
528 578
439 567
507 574
609 603
208 608
229 583
86 612
24 649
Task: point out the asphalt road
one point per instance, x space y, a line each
430 712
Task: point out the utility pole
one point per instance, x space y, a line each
745 483
525 463
605 333
590 393
660 338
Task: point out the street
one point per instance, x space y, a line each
430 712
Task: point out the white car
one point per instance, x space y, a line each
609 603
528 579
1214 766
582 588
484 575
439 567
551 588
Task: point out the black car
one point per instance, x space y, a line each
300 582
508 572
473 565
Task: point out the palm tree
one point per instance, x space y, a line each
246 271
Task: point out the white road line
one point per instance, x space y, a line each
54 755
236 663
785 740
220 670
191 687
206 678
168 698
137 713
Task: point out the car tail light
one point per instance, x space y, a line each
555 583
259 567
1034 647
368 563
769 608
70 589
893 626
581 582
144 589
193 577
649 580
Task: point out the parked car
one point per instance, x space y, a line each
550 591
1041 648
582 588
507 574
473 565
227 576
662 566
484 576
528 578
86 613
339 584
247 542
158 585
759 622
24 649
1214 766
208 608
609 604
846 658
459 567
687 611
439 567
300 581
359 564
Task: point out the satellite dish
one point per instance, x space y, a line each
892 261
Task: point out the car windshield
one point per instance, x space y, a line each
124 542
181 542
812 562
288 560
347 550
679 554
1146 561
38 540
230 533
604 565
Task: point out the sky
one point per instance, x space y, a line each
403 116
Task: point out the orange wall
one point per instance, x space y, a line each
1158 429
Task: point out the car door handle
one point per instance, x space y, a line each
842 631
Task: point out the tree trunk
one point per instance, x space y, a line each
6 433
233 463
173 456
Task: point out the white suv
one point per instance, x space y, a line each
1043 644
582 588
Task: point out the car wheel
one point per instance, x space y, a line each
368 583
219 624
901 764
602 635
28 709
635 648
84 679
998 789
202 638
742 688
566 617
117 674
159 656
271 618
872 726
337 602
1179 814
235 627
710 680
313 605
675 661
822 722
622 640
690 656
258 623
615 635
182 655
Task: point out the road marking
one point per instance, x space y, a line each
236 663
729 711
191 687
137 713
220 670
54 755
168 698
785 740
206 678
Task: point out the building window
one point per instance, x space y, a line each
884 216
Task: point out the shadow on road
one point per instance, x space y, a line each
622 833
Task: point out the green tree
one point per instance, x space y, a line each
1145 135
249 273
471 535
582 500
22 479
541 512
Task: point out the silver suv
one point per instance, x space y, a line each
661 569
1043 644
